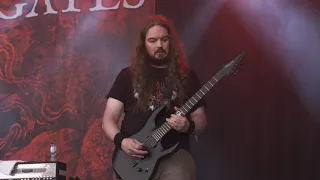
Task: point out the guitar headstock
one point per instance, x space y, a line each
234 66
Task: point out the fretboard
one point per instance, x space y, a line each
165 128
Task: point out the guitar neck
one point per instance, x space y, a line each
165 128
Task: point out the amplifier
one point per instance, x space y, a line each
37 171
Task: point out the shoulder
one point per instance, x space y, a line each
192 74
123 76
125 72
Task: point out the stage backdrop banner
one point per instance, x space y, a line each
58 59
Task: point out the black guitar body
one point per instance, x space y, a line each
130 168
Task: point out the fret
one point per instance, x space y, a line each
209 84
215 79
184 111
204 92
184 108
166 126
161 132
158 133
156 136
194 99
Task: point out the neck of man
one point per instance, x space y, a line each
157 63
159 66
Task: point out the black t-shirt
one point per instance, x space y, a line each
134 121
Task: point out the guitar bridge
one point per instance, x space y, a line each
133 162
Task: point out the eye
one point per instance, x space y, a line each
152 40
165 38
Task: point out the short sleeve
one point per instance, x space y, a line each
119 86
193 86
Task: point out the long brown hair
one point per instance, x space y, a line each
178 68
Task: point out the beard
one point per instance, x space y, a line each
160 57
158 61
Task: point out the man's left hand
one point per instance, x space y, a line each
179 123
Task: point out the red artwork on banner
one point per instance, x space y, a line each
58 59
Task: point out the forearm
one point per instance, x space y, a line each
200 120
200 124
110 127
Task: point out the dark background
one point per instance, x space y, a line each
258 127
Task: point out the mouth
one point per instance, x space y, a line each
161 52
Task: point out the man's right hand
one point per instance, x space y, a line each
133 148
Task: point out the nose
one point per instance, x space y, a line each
159 43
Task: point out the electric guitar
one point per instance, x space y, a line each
130 168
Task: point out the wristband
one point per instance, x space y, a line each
192 126
118 139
